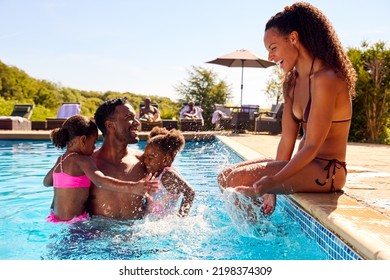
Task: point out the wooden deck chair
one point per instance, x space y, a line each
23 110
19 118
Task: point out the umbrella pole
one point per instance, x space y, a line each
242 81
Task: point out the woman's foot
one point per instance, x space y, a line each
269 203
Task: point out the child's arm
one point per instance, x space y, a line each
175 183
149 184
48 180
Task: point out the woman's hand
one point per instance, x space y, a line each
257 189
247 190
265 183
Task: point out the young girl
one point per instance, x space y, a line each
160 152
73 172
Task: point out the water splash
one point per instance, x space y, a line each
172 225
247 214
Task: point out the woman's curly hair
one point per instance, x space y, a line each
318 36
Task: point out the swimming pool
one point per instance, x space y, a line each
213 231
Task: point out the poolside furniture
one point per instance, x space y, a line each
191 125
195 124
253 111
19 118
38 125
240 121
170 124
270 121
147 126
23 110
66 110
52 123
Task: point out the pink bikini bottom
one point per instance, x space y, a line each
53 219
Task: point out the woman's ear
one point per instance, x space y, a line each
294 37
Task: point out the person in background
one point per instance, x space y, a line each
216 117
117 121
159 154
318 89
149 113
191 112
73 172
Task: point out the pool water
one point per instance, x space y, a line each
213 231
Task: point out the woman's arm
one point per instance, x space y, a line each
290 130
149 184
325 87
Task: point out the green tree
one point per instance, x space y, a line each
203 85
274 88
370 120
18 87
5 107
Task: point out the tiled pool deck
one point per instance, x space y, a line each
360 216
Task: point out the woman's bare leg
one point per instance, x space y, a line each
269 200
304 181
226 172
242 179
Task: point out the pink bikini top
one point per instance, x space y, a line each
63 180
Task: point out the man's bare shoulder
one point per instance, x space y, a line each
134 153
97 155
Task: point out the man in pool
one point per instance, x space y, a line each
117 121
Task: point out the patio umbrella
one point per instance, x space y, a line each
242 58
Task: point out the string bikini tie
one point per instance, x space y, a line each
336 164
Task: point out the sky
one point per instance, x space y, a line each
149 46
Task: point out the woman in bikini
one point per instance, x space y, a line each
318 88
73 172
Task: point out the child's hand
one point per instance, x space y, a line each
151 184
149 198
147 185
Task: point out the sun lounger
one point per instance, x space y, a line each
19 118
66 110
